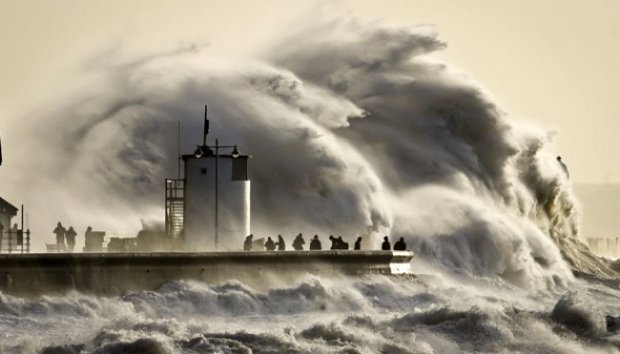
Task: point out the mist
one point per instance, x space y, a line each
355 130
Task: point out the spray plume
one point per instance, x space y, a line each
354 130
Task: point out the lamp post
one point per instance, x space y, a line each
217 189
206 150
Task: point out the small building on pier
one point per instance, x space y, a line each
13 239
7 212
209 209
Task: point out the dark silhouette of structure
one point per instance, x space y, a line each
400 245
60 232
281 243
564 167
151 238
270 245
358 244
93 240
315 244
298 243
386 244
247 244
128 244
70 237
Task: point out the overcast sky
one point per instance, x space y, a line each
552 62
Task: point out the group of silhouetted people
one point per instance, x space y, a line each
337 243
65 239
400 245
269 245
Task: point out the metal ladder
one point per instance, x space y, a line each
175 207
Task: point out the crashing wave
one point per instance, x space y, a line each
354 130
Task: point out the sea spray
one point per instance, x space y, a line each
318 315
354 130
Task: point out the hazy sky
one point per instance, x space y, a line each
552 62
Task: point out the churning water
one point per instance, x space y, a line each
353 130
317 315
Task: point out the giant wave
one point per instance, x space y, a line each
353 130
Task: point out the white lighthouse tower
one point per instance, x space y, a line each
213 198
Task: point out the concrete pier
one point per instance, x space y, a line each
116 273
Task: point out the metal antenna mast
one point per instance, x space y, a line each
206 129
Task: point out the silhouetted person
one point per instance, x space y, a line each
70 236
281 244
270 245
20 236
87 239
60 236
341 244
15 235
358 244
298 243
334 243
315 244
247 244
400 245
386 244
563 166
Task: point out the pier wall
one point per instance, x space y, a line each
116 273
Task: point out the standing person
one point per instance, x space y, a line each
386 244
298 243
315 244
563 165
334 242
87 232
358 244
60 236
400 245
1 236
281 244
92 242
247 244
270 245
70 236
341 244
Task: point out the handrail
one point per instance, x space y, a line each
13 241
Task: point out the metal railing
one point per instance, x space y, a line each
15 241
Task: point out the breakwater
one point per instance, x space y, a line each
116 273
